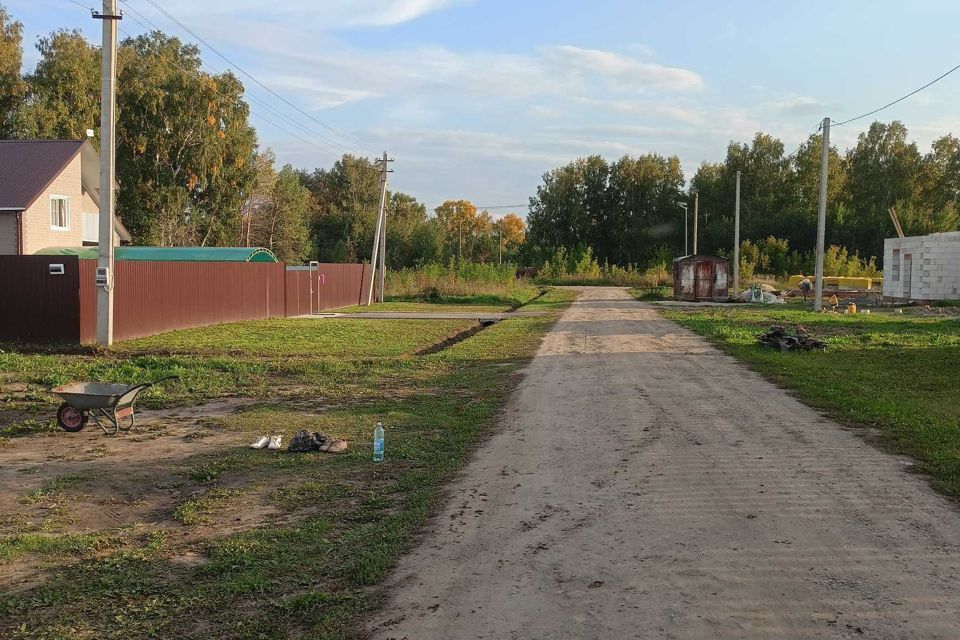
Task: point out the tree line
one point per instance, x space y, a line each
629 211
190 170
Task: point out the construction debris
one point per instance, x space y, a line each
778 338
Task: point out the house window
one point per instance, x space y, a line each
895 271
59 213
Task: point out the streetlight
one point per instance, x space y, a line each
686 250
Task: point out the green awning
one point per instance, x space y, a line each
169 254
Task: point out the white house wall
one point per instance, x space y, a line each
935 273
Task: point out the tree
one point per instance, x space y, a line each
624 213
12 86
185 146
883 172
346 198
63 96
281 224
260 197
467 232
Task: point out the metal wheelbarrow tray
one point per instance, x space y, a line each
112 402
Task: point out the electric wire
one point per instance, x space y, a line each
221 94
900 99
323 143
352 140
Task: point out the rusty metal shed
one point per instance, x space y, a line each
700 279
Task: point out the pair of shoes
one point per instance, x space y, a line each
335 445
263 442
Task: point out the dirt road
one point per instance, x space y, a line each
636 492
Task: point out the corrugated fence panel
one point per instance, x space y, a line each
154 297
88 301
36 306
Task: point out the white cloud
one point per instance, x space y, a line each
622 72
799 105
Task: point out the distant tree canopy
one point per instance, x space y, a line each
628 212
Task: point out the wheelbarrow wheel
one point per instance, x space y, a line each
71 419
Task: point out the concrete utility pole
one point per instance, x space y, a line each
696 216
377 261
500 245
822 215
686 242
736 241
460 250
108 171
384 170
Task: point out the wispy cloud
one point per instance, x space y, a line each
323 14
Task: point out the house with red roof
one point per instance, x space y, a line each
50 196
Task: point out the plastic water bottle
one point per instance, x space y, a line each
378 442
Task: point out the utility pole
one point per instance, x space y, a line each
736 242
500 245
822 214
460 250
696 216
106 275
379 242
686 243
384 170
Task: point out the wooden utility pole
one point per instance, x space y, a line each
736 242
108 143
822 215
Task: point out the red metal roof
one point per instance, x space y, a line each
27 167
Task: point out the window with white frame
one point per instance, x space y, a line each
895 270
60 213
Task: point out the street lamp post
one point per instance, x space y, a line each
686 245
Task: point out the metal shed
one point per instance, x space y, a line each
700 279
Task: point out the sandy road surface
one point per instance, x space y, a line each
635 493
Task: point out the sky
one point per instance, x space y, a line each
477 99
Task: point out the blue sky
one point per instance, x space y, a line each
477 99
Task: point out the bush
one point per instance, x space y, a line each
456 279
580 267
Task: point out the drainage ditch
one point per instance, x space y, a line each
446 343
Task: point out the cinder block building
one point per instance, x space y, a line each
922 268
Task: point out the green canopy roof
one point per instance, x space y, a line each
169 254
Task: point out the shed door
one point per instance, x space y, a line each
704 278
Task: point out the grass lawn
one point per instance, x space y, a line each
897 373
509 298
178 530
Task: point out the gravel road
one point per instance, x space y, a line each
644 485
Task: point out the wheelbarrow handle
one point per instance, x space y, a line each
146 385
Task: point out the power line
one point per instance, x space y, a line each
221 94
901 99
504 206
352 140
327 144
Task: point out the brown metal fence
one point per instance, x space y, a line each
328 286
37 305
154 297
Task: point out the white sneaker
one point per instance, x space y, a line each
274 442
260 443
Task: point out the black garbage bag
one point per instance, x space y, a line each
303 441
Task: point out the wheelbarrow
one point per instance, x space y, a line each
113 403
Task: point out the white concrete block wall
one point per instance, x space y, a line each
935 267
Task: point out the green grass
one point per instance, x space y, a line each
329 527
392 306
315 337
895 373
